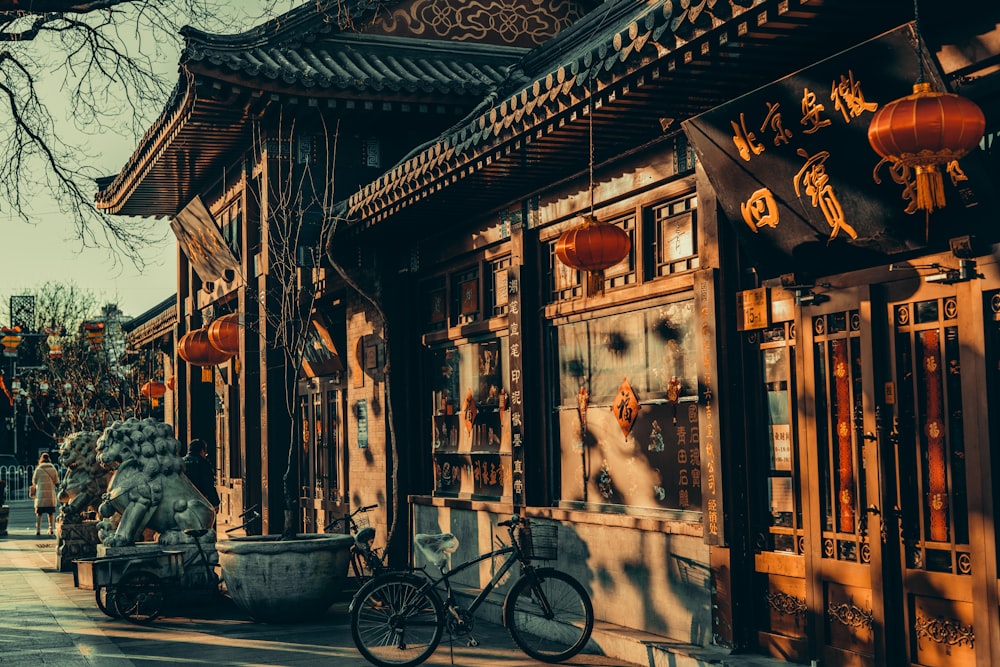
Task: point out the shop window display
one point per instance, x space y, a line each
471 435
627 409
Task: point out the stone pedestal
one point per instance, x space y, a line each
75 540
4 517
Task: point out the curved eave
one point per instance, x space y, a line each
651 71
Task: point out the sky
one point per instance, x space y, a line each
43 250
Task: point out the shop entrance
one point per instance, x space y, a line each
877 547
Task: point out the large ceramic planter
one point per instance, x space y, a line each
275 580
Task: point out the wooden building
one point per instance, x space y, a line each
768 432
262 130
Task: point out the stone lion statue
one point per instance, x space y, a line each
148 488
84 481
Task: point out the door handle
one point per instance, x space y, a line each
873 510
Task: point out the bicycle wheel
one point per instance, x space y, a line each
548 615
105 604
138 596
393 622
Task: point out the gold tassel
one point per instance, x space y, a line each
930 188
206 374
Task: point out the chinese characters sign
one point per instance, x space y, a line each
795 173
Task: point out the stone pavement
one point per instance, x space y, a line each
46 620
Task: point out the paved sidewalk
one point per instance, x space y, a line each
45 620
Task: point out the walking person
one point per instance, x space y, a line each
44 487
200 471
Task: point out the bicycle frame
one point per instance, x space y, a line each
513 554
386 609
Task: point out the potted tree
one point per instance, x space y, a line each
291 575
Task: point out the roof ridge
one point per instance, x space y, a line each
295 26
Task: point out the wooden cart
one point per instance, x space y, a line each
130 585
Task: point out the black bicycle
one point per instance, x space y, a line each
398 618
366 560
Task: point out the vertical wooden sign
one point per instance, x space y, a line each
708 417
514 321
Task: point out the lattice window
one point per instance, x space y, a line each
674 235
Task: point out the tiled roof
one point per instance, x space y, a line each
155 322
369 63
564 71
634 63
226 80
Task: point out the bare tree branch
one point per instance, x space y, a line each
75 72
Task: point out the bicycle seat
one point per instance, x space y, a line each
436 548
196 532
365 536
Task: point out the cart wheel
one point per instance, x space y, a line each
103 596
138 596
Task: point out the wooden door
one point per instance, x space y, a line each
931 521
841 490
779 539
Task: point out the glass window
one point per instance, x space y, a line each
498 286
649 356
470 431
674 241
465 297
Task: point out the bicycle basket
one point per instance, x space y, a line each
362 522
540 541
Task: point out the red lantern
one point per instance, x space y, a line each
924 130
224 333
171 382
11 339
195 348
153 389
593 246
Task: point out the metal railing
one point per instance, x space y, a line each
18 479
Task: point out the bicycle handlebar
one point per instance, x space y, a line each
364 509
515 520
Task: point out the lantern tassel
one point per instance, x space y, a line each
930 188
595 283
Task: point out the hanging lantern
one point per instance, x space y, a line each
593 246
195 348
153 389
11 339
94 332
54 341
224 333
924 130
171 382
